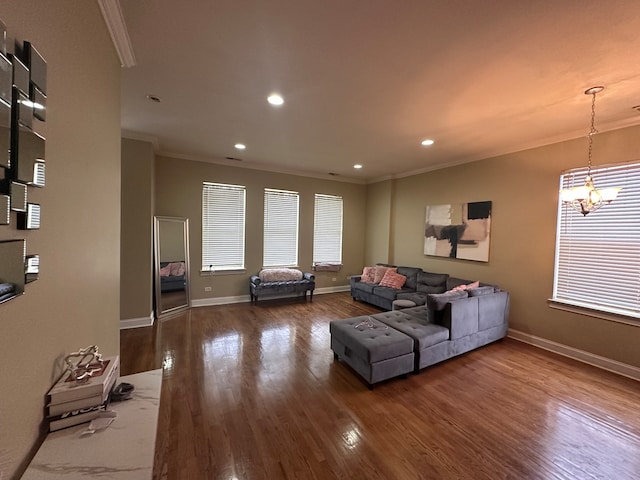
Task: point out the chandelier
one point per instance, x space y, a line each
587 198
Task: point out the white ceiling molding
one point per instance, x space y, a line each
113 17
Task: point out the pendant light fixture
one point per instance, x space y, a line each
588 198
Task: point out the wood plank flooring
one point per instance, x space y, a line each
252 392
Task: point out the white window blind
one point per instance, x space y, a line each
327 229
280 228
223 219
597 261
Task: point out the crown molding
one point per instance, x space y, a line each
113 17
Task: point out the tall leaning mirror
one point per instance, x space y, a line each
171 256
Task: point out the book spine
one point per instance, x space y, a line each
75 417
60 408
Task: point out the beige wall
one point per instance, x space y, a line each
524 189
379 198
136 259
75 302
179 193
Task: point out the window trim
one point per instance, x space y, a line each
316 197
226 269
572 238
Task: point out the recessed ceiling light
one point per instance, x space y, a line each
357 166
240 146
275 99
427 142
154 98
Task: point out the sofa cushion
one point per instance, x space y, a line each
368 274
412 276
432 279
387 293
364 287
418 298
437 301
427 289
425 333
393 280
480 291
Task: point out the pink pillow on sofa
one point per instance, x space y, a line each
392 279
368 275
381 271
460 288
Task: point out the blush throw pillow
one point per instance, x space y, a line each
368 275
460 288
380 272
393 280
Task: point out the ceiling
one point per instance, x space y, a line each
365 81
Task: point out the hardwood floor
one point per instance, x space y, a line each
252 392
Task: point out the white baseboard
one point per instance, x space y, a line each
137 322
339 288
208 302
576 354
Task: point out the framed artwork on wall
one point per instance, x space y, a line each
461 231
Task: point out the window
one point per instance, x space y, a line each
280 228
223 211
597 263
327 229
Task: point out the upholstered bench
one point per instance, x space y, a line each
281 282
374 350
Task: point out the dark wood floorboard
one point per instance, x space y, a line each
252 392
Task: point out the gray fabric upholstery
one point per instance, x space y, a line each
373 349
462 325
479 291
412 276
437 301
418 298
258 288
370 339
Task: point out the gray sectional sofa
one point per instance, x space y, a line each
446 324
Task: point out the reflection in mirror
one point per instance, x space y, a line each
29 220
18 197
5 134
32 267
30 150
12 269
6 76
171 265
5 210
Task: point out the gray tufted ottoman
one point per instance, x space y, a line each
373 349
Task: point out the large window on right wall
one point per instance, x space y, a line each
327 229
597 262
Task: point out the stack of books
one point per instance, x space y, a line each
72 403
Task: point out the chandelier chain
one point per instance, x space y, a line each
593 130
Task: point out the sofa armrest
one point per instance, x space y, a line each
308 276
461 317
354 279
255 279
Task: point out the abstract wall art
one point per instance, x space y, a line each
461 231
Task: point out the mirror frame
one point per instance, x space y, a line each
159 312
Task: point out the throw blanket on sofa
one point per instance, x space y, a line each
280 274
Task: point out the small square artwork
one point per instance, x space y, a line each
459 231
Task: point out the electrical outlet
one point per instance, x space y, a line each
207 289
334 279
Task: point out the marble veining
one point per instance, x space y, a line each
125 450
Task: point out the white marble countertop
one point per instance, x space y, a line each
125 450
